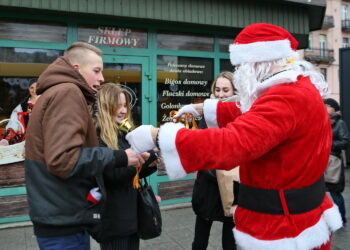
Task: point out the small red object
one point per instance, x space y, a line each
94 195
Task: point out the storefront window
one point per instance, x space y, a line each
33 31
130 77
113 36
182 80
18 67
225 65
224 44
181 41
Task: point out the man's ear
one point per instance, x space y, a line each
76 66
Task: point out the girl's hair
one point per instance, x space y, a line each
107 101
32 81
225 74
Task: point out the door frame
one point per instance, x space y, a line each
147 96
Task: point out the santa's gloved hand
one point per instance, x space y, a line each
140 139
186 109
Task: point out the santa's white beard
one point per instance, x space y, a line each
248 77
246 83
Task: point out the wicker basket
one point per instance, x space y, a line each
12 153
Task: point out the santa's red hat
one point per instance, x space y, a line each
262 42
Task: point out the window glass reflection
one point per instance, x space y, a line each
180 41
224 44
129 75
225 65
25 55
18 67
33 31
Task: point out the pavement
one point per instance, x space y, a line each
178 231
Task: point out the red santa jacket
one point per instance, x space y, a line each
283 142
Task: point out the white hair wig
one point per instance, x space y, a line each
249 76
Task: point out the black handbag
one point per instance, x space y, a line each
148 213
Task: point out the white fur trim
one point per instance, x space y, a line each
166 139
333 218
288 76
234 98
209 111
312 237
260 51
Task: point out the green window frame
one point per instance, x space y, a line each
151 52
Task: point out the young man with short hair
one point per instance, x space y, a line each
62 159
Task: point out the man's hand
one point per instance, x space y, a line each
146 157
194 109
155 163
140 139
134 159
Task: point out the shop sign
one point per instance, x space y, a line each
113 36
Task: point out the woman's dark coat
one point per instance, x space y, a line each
119 217
339 143
206 201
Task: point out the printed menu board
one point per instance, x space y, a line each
182 80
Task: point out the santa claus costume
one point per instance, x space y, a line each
280 135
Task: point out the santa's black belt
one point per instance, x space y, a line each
278 202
